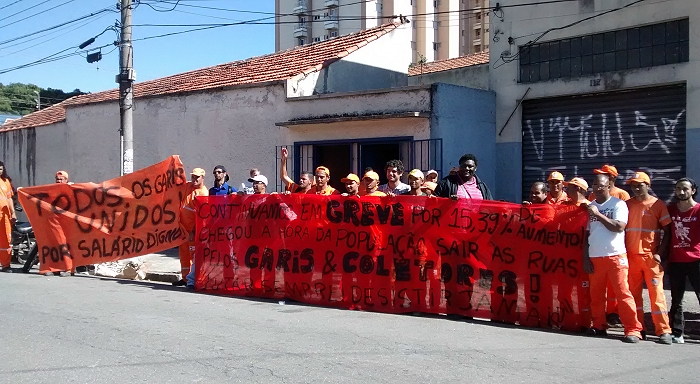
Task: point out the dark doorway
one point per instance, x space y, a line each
376 156
338 159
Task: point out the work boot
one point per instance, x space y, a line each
180 283
596 332
666 339
6 269
613 320
644 335
630 339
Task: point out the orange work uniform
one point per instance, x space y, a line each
646 218
611 305
375 193
5 223
326 192
562 199
188 221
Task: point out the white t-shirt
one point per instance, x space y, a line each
601 241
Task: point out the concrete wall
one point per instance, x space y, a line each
526 23
465 120
476 76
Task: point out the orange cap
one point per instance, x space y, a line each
429 185
198 172
350 177
555 176
579 182
639 177
372 175
607 170
324 169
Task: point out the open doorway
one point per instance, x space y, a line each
376 155
338 159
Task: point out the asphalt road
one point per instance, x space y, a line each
93 330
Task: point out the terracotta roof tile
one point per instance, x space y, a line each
444 65
276 66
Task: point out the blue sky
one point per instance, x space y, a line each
153 58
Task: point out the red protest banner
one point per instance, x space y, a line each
88 223
501 261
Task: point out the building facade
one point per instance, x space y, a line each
442 29
584 83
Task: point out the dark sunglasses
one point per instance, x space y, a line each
219 171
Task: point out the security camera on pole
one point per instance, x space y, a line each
126 78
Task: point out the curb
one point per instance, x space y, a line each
165 277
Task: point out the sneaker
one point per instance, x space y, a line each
179 283
677 339
63 274
630 339
6 270
48 274
596 332
666 339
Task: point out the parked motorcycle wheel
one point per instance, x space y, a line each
21 251
32 258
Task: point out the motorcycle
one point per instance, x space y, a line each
22 241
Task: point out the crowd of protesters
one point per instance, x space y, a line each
631 240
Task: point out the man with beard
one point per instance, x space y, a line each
305 178
394 186
605 260
684 256
464 183
221 187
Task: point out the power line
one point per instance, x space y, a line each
56 26
13 3
24 10
36 14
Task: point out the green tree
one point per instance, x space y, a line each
20 99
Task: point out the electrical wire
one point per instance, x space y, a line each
24 10
36 14
57 26
13 3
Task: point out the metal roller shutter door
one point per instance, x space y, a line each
639 129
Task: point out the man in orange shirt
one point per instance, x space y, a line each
352 185
305 178
648 215
195 188
576 190
322 177
556 194
7 218
371 182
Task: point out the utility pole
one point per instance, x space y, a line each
126 78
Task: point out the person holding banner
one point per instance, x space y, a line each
352 185
221 187
556 194
305 178
576 189
322 177
371 182
648 218
259 184
605 259
464 183
415 182
7 218
394 170
187 218
538 193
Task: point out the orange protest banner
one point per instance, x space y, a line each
485 259
88 223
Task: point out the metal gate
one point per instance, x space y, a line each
422 154
640 129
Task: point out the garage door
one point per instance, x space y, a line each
641 129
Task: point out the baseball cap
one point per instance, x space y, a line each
198 172
555 176
606 169
579 182
350 177
62 173
639 177
372 175
324 169
430 172
417 174
258 178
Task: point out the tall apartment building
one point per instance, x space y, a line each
442 29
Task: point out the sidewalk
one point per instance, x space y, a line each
164 266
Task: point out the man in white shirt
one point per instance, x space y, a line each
394 186
605 259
